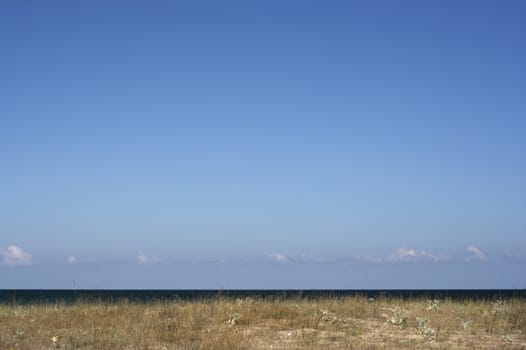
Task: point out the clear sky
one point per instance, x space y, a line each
262 144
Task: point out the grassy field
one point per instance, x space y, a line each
227 323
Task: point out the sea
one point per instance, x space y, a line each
54 296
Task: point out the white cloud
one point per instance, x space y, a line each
144 259
474 254
15 256
285 258
412 255
279 258
72 260
399 255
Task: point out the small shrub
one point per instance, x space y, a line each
399 316
433 305
423 327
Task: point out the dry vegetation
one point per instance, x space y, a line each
223 323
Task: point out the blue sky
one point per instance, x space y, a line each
255 144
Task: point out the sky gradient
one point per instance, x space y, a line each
262 144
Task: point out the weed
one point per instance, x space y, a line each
423 327
433 305
399 316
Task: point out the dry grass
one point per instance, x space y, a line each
223 323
